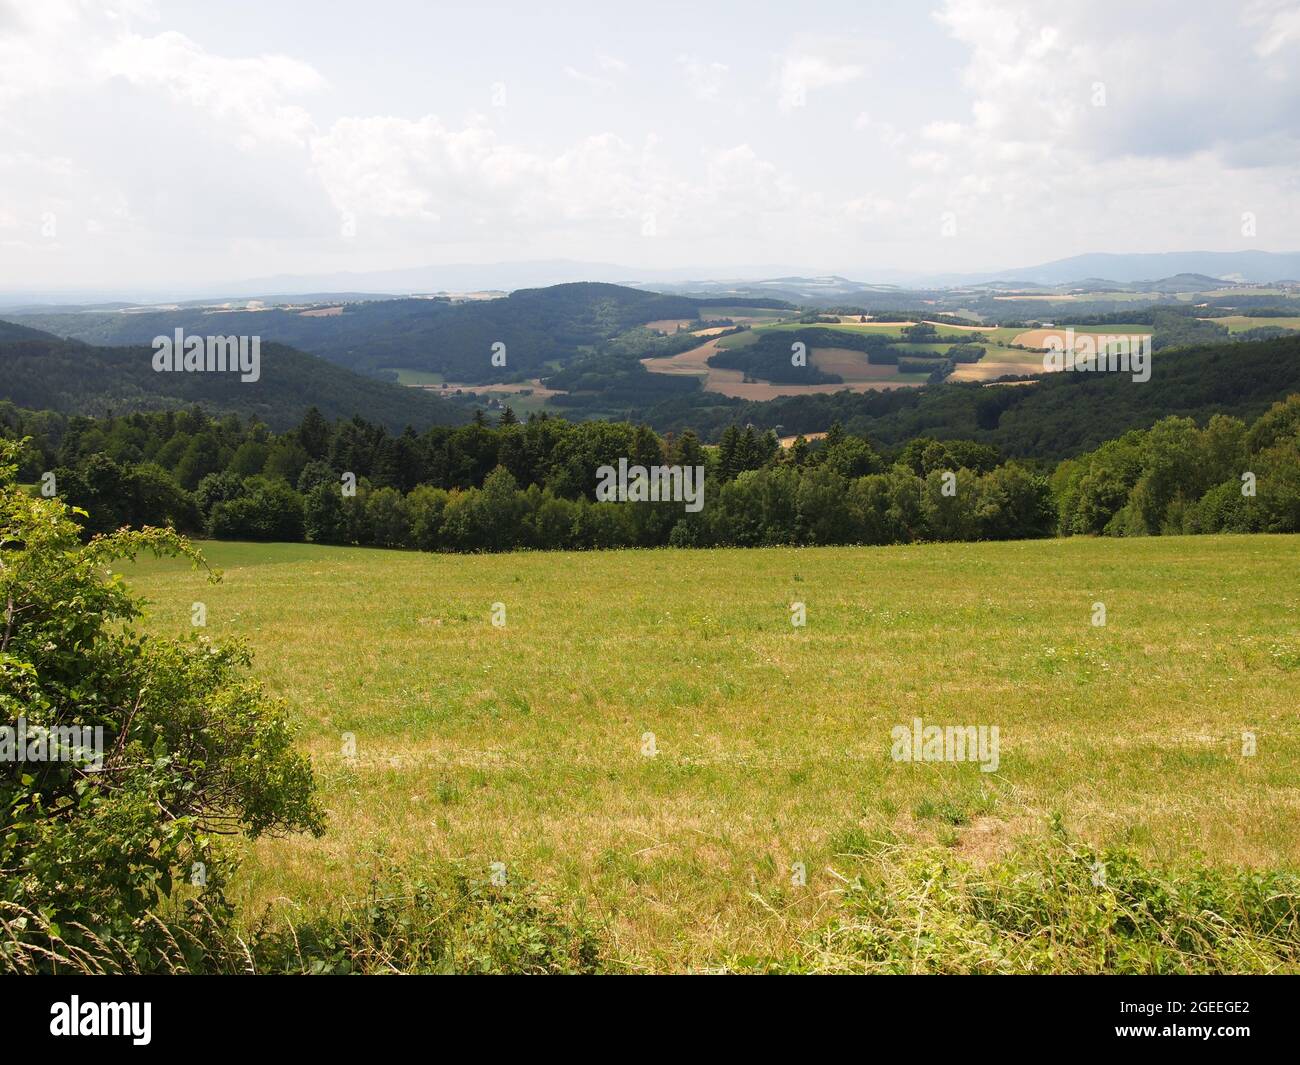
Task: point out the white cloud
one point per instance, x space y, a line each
158 154
936 162
885 132
590 80
249 92
1281 20
703 77
869 209
803 73
611 65
426 172
1116 127
943 132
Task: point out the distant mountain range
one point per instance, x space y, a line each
449 279
837 291
1255 267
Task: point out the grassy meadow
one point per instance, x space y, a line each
1239 323
523 744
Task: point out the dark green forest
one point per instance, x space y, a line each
45 373
514 485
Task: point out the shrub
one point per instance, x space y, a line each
268 510
1055 907
444 922
389 518
191 748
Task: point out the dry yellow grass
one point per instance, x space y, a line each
732 382
1038 338
668 325
524 744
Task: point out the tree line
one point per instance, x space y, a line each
531 485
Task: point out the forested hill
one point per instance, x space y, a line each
47 373
537 326
11 331
1054 417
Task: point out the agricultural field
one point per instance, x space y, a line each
742 315
1239 323
670 325
1040 338
854 367
1000 360
418 378
1249 290
1114 296
650 734
858 374
1009 352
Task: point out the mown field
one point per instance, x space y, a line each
523 744
1239 323
1001 358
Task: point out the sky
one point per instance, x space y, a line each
190 143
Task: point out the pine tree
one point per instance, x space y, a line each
646 449
748 455
728 453
689 451
314 433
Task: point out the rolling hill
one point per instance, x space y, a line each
43 372
537 326
1054 417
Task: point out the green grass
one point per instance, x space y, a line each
713 313
852 328
738 340
522 405
1240 323
412 378
1123 329
1055 907
523 744
1104 296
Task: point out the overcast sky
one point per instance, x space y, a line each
195 142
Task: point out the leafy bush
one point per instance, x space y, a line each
191 748
265 510
444 922
1054 907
